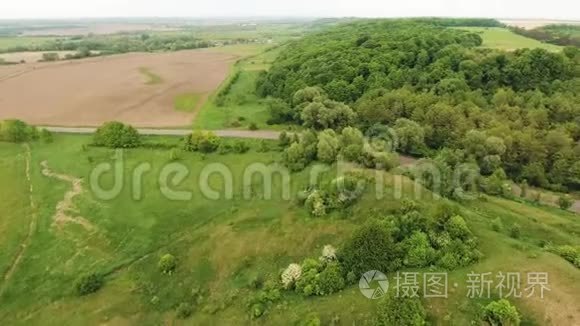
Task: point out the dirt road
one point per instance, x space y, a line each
257 134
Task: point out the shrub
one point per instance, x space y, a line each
320 279
330 280
501 313
565 202
371 247
225 148
89 283
167 264
315 204
571 254
284 140
204 142
46 136
264 146
253 126
457 228
241 147
310 320
515 231
291 275
174 154
116 135
497 225
16 131
260 302
294 157
184 310
393 311
328 254
419 252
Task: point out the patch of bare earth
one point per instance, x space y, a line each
92 91
65 208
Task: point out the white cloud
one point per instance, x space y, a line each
558 9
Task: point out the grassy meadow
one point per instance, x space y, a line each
241 106
504 39
7 42
222 245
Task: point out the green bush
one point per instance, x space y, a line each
419 252
16 131
46 136
241 147
184 310
571 254
515 231
565 202
253 126
311 319
264 146
167 264
89 283
497 225
371 247
501 313
199 141
261 301
394 311
315 204
117 135
319 278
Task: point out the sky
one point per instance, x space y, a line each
554 9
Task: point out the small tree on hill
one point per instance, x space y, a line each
117 135
88 284
565 202
501 313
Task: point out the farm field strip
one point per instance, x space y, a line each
93 91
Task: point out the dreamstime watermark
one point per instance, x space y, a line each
174 180
505 285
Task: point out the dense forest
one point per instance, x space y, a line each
514 114
565 35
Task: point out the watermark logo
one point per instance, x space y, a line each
373 285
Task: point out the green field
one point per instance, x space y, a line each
241 106
504 39
221 245
187 102
13 41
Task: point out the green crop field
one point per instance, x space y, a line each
221 245
8 42
504 39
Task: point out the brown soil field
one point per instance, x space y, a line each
92 91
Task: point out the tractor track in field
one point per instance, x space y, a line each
31 226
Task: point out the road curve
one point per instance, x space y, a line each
250 134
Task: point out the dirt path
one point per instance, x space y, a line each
31 226
66 206
249 134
